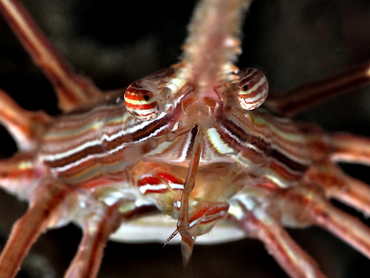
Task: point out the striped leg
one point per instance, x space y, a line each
43 211
204 217
19 175
306 205
307 95
96 233
350 148
338 147
201 221
340 186
260 224
187 241
72 89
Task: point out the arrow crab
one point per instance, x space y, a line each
331 171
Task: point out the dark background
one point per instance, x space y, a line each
116 43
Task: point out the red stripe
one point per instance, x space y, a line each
169 178
149 180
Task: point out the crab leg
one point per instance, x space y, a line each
350 148
307 95
289 255
17 171
72 89
27 229
187 241
90 252
341 186
25 126
307 205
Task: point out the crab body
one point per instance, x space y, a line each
186 144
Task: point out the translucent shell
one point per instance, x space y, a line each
252 88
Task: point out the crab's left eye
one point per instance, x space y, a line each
252 88
141 102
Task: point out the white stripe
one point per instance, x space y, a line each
185 149
144 188
76 163
93 156
52 157
98 142
250 74
175 186
253 89
217 142
246 144
139 102
143 112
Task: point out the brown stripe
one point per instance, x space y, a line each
260 144
295 166
244 137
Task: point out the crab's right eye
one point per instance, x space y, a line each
141 102
253 88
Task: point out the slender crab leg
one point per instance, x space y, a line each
95 235
17 171
307 95
27 129
187 241
307 205
25 126
350 148
258 224
72 89
340 186
42 212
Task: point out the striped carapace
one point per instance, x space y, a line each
185 141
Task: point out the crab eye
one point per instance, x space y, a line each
141 102
252 88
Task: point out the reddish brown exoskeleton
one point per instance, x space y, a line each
267 174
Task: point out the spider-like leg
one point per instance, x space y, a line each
96 232
263 224
307 205
326 149
26 127
72 90
307 95
350 148
18 171
340 186
340 147
20 174
43 212
187 241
